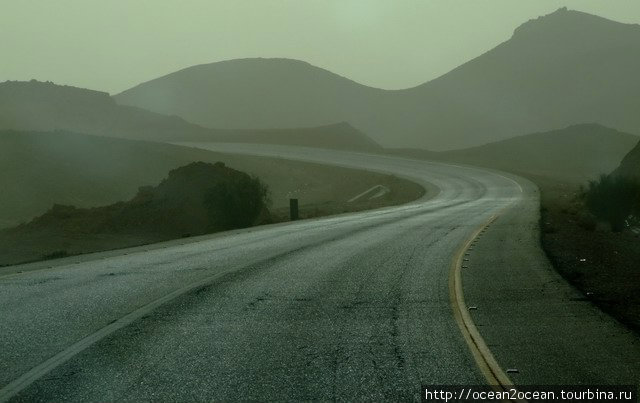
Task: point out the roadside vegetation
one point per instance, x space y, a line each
196 199
587 232
613 199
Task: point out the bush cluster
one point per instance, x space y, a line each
236 204
613 198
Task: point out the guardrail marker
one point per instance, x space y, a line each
293 209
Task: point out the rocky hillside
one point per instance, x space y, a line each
630 165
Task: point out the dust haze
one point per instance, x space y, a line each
116 45
300 194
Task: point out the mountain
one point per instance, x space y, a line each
44 106
40 106
561 69
630 165
574 154
565 68
254 94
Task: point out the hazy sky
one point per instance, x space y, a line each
111 45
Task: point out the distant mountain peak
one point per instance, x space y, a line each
254 61
567 22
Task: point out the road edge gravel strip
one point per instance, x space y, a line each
485 360
537 324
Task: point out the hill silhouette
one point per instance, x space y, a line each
564 68
575 154
44 106
253 94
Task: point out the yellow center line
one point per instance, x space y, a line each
488 365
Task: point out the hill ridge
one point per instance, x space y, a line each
45 106
544 77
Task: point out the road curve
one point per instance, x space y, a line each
349 307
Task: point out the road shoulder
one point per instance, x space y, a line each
531 318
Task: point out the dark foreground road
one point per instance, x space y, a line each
351 307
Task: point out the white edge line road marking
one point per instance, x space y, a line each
35 373
483 356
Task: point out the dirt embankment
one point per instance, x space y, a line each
603 264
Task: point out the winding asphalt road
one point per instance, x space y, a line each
349 307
